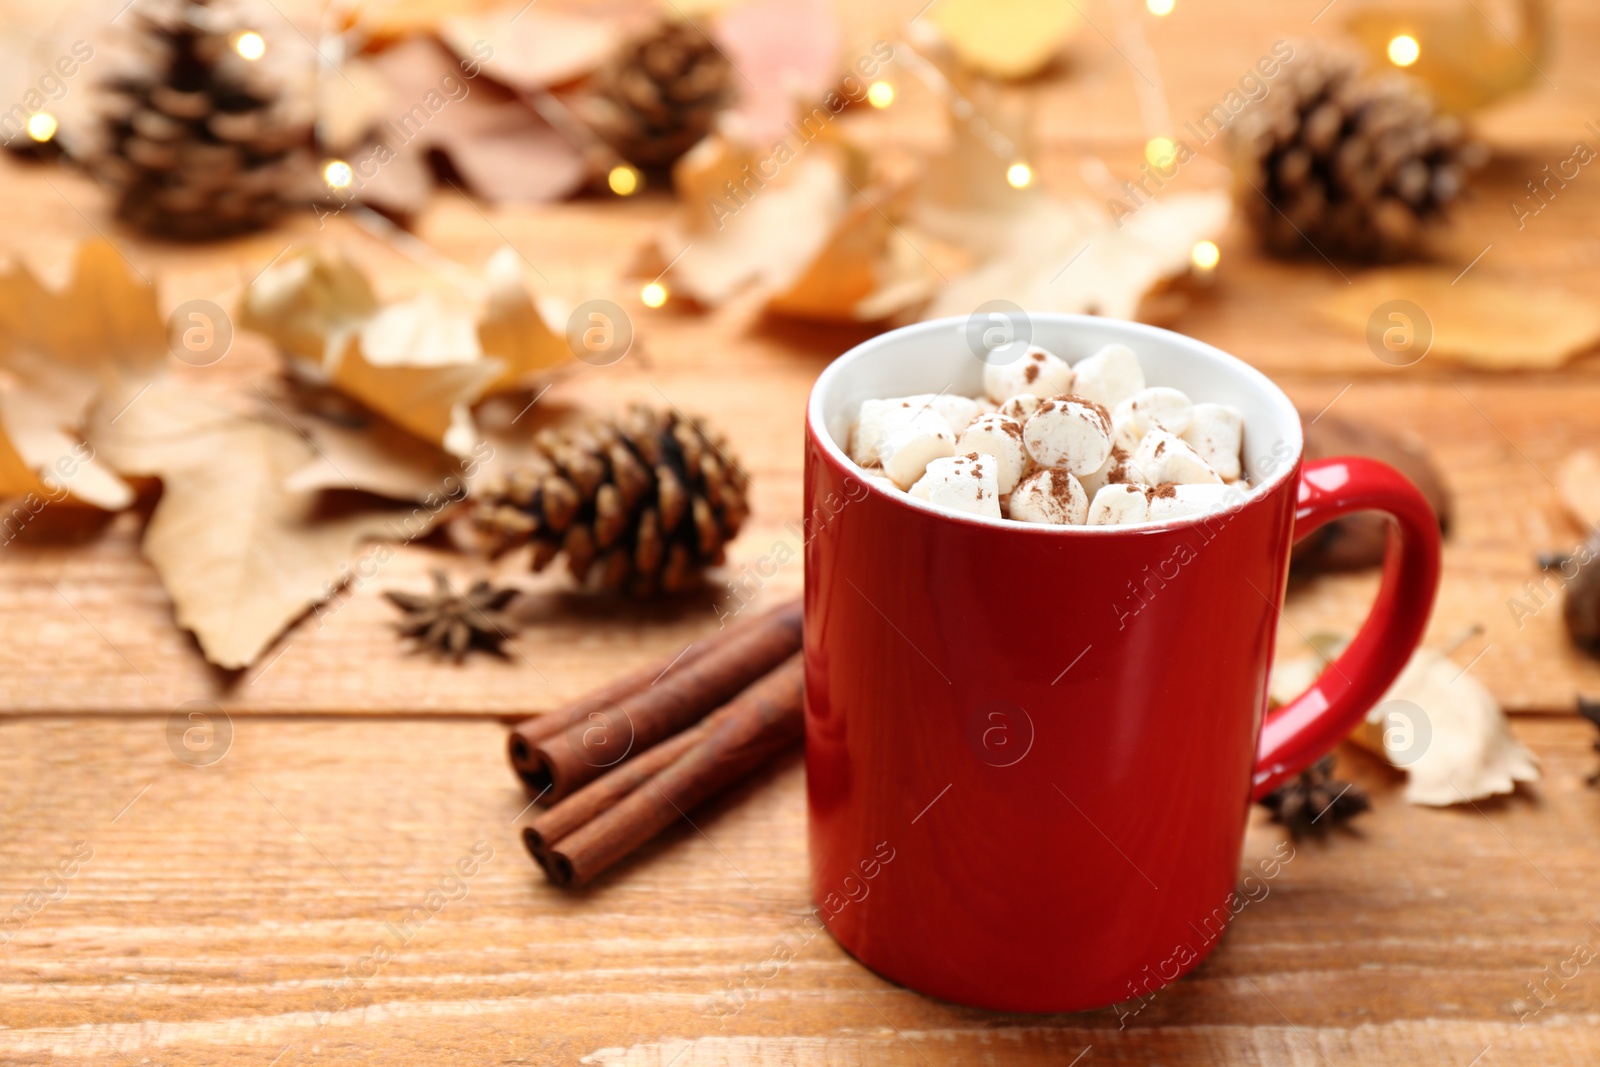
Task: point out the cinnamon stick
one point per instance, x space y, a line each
604 792
529 733
761 721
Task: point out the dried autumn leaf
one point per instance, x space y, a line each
351 104
59 350
867 271
1063 255
1437 723
1005 38
431 399
786 53
502 148
1457 747
515 328
310 303
809 238
241 556
357 449
1578 480
1467 63
533 46
421 362
1477 320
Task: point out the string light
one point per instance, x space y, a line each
41 126
654 294
1019 175
1160 151
623 179
1205 255
1159 8
250 45
1404 50
337 173
880 94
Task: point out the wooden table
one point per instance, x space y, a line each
229 913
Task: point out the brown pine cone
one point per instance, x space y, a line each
199 143
641 503
660 95
1344 164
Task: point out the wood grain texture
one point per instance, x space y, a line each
230 914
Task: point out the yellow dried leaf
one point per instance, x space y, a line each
1005 38
1467 62
1437 723
867 271
421 363
514 328
309 304
1441 726
241 555
357 449
1068 256
533 46
1478 320
431 400
810 236
59 350
766 238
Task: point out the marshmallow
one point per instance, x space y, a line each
1052 496
961 483
958 411
1118 468
878 416
1000 437
1068 432
1108 377
873 421
1217 433
1187 501
1036 372
886 484
1019 407
1124 433
1117 505
1163 457
1161 408
907 447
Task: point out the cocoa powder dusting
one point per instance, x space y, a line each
1060 488
1166 491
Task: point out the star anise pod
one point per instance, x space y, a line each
1315 800
449 623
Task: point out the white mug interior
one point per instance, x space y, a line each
941 356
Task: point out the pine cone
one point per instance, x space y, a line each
660 95
197 144
643 502
1349 166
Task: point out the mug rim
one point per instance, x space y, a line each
816 424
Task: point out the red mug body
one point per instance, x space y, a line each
1031 750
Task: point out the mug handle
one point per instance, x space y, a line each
1302 731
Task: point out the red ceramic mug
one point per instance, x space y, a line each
1030 750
